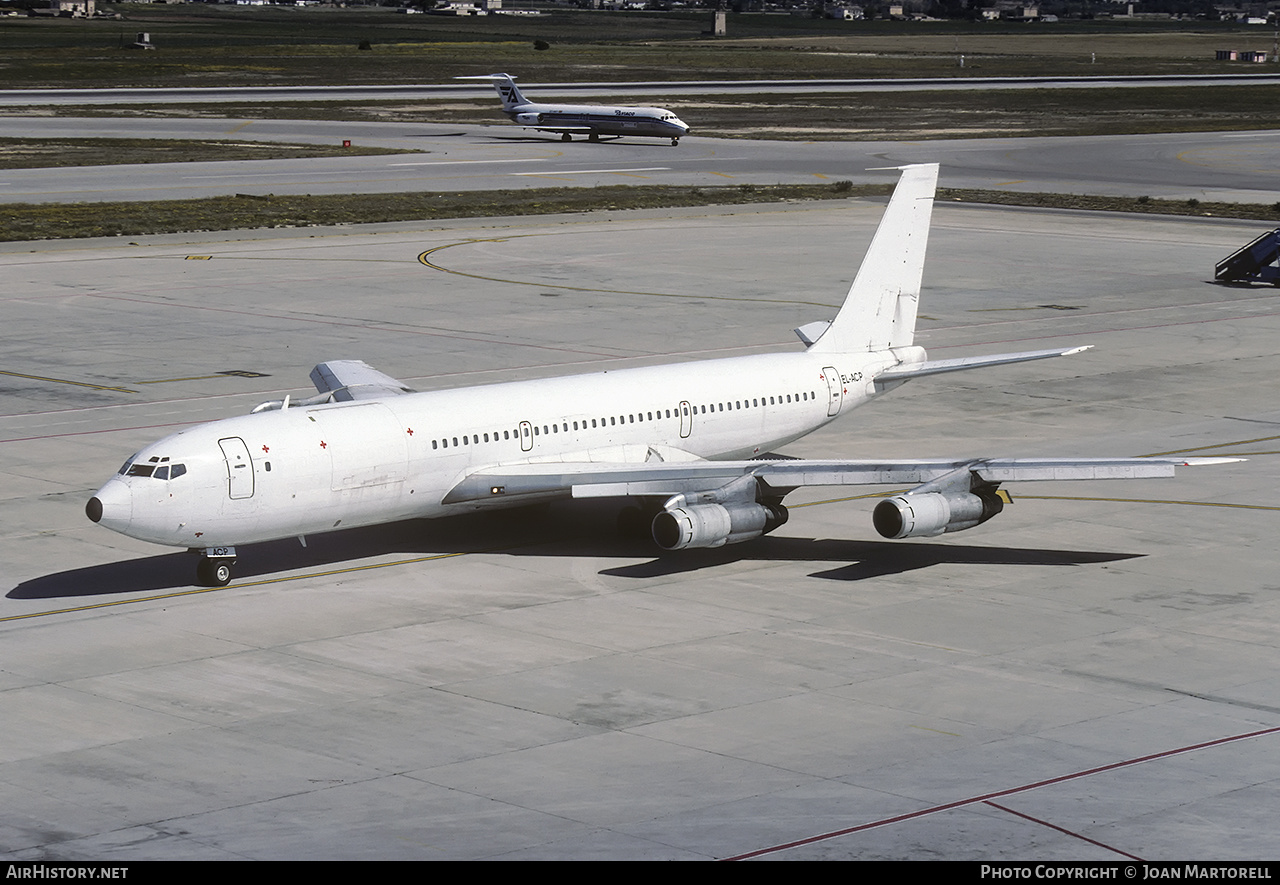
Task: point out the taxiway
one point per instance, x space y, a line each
1088 676
1214 166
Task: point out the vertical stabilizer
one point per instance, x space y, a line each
880 310
507 89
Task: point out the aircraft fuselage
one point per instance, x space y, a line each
309 469
599 120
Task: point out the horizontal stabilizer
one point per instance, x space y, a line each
351 380
809 333
939 367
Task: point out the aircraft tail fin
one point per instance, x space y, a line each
507 90
880 310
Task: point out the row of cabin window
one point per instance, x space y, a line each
468 439
756 403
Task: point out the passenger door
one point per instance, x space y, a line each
836 389
239 467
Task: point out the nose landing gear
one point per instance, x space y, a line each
214 568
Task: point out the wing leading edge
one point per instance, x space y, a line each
596 480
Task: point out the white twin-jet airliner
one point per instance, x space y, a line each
685 444
592 121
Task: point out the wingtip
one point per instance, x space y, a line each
903 168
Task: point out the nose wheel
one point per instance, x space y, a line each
214 571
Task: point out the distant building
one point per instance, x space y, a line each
456 8
74 8
1010 11
845 13
1240 55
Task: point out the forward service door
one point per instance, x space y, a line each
239 467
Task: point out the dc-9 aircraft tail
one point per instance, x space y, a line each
685 445
592 121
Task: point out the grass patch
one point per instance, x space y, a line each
24 153
225 45
876 116
43 221
1137 205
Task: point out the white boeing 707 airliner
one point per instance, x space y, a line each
689 441
592 121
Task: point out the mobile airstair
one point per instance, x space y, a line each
1254 263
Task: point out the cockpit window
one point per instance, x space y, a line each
155 471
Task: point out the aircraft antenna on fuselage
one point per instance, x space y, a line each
880 310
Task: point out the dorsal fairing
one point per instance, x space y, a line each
879 312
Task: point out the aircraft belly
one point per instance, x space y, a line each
306 515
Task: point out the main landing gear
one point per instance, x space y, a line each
214 568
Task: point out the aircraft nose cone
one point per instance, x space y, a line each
112 506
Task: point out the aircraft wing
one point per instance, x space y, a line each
349 380
602 480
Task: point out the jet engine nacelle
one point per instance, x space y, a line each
529 119
714 525
932 513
